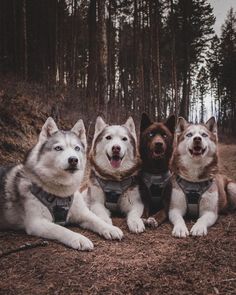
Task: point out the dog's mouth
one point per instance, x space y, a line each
71 169
115 160
158 154
197 151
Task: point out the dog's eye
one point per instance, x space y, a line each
77 148
164 135
151 134
189 134
124 138
204 135
58 148
108 137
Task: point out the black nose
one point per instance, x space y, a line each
197 139
73 161
159 144
116 149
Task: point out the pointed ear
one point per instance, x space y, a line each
211 124
129 124
99 125
145 122
182 124
79 130
48 129
170 123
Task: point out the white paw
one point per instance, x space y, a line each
106 219
112 233
180 231
151 222
81 243
199 229
136 225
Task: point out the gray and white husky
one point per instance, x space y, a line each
197 188
42 194
112 184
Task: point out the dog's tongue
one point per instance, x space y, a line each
115 161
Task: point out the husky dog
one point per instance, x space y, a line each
115 161
156 145
42 194
197 187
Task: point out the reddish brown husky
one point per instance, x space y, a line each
156 145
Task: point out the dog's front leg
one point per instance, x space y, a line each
81 215
131 204
208 210
177 210
44 228
96 199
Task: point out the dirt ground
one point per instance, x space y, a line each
150 263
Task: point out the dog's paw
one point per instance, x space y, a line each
198 229
180 231
81 243
107 219
112 233
136 225
151 222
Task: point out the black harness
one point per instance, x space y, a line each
58 206
114 189
193 191
155 184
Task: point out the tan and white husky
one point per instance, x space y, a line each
113 184
43 194
197 189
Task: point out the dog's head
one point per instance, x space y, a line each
156 138
114 147
59 155
195 154
196 141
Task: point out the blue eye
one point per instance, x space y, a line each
204 135
58 148
189 134
77 148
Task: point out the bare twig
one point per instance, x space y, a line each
26 246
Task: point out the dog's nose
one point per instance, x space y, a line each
116 149
73 161
197 139
159 144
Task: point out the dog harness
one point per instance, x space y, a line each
58 206
193 192
114 189
156 184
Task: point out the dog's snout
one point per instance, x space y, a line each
116 149
73 161
197 139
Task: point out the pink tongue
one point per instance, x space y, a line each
115 163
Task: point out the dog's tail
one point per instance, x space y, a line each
231 193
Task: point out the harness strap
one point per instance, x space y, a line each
193 190
58 206
156 184
114 189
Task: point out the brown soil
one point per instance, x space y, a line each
150 263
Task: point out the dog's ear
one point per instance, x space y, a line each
79 130
170 123
182 124
99 125
145 122
211 124
129 124
48 129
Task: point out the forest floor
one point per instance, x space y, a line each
149 263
